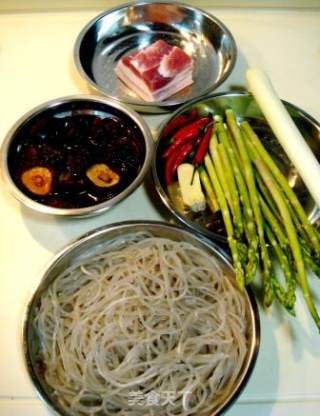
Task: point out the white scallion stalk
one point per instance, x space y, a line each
285 130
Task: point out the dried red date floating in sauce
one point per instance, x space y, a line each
88 158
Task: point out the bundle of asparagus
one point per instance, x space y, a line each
262 215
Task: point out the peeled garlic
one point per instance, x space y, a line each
192 194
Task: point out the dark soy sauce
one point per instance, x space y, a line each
68 143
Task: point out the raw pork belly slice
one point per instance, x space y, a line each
156 72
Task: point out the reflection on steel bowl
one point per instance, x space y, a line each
76 155
122 323
245 108
124 30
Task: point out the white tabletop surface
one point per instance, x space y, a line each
36 65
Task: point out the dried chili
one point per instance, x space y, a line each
175 160
192 129
203 147
186 134
178 122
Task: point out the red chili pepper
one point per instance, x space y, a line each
203 147
191 130
186 134
177 144
175 160
179 121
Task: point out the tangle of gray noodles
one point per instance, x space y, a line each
148 326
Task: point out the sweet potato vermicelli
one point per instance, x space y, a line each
146 318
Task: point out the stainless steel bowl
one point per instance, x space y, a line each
245 107
132 26
94 242
69 106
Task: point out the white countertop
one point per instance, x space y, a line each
36 65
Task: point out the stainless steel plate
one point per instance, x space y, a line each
74 106
245 107
96 241
134 26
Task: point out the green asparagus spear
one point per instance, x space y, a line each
253 194
227 220
226 179
215 156
299 226
267 196
280 178
249 224
238 220
311 262
212 199
272 185
280 243
286 297
274 224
